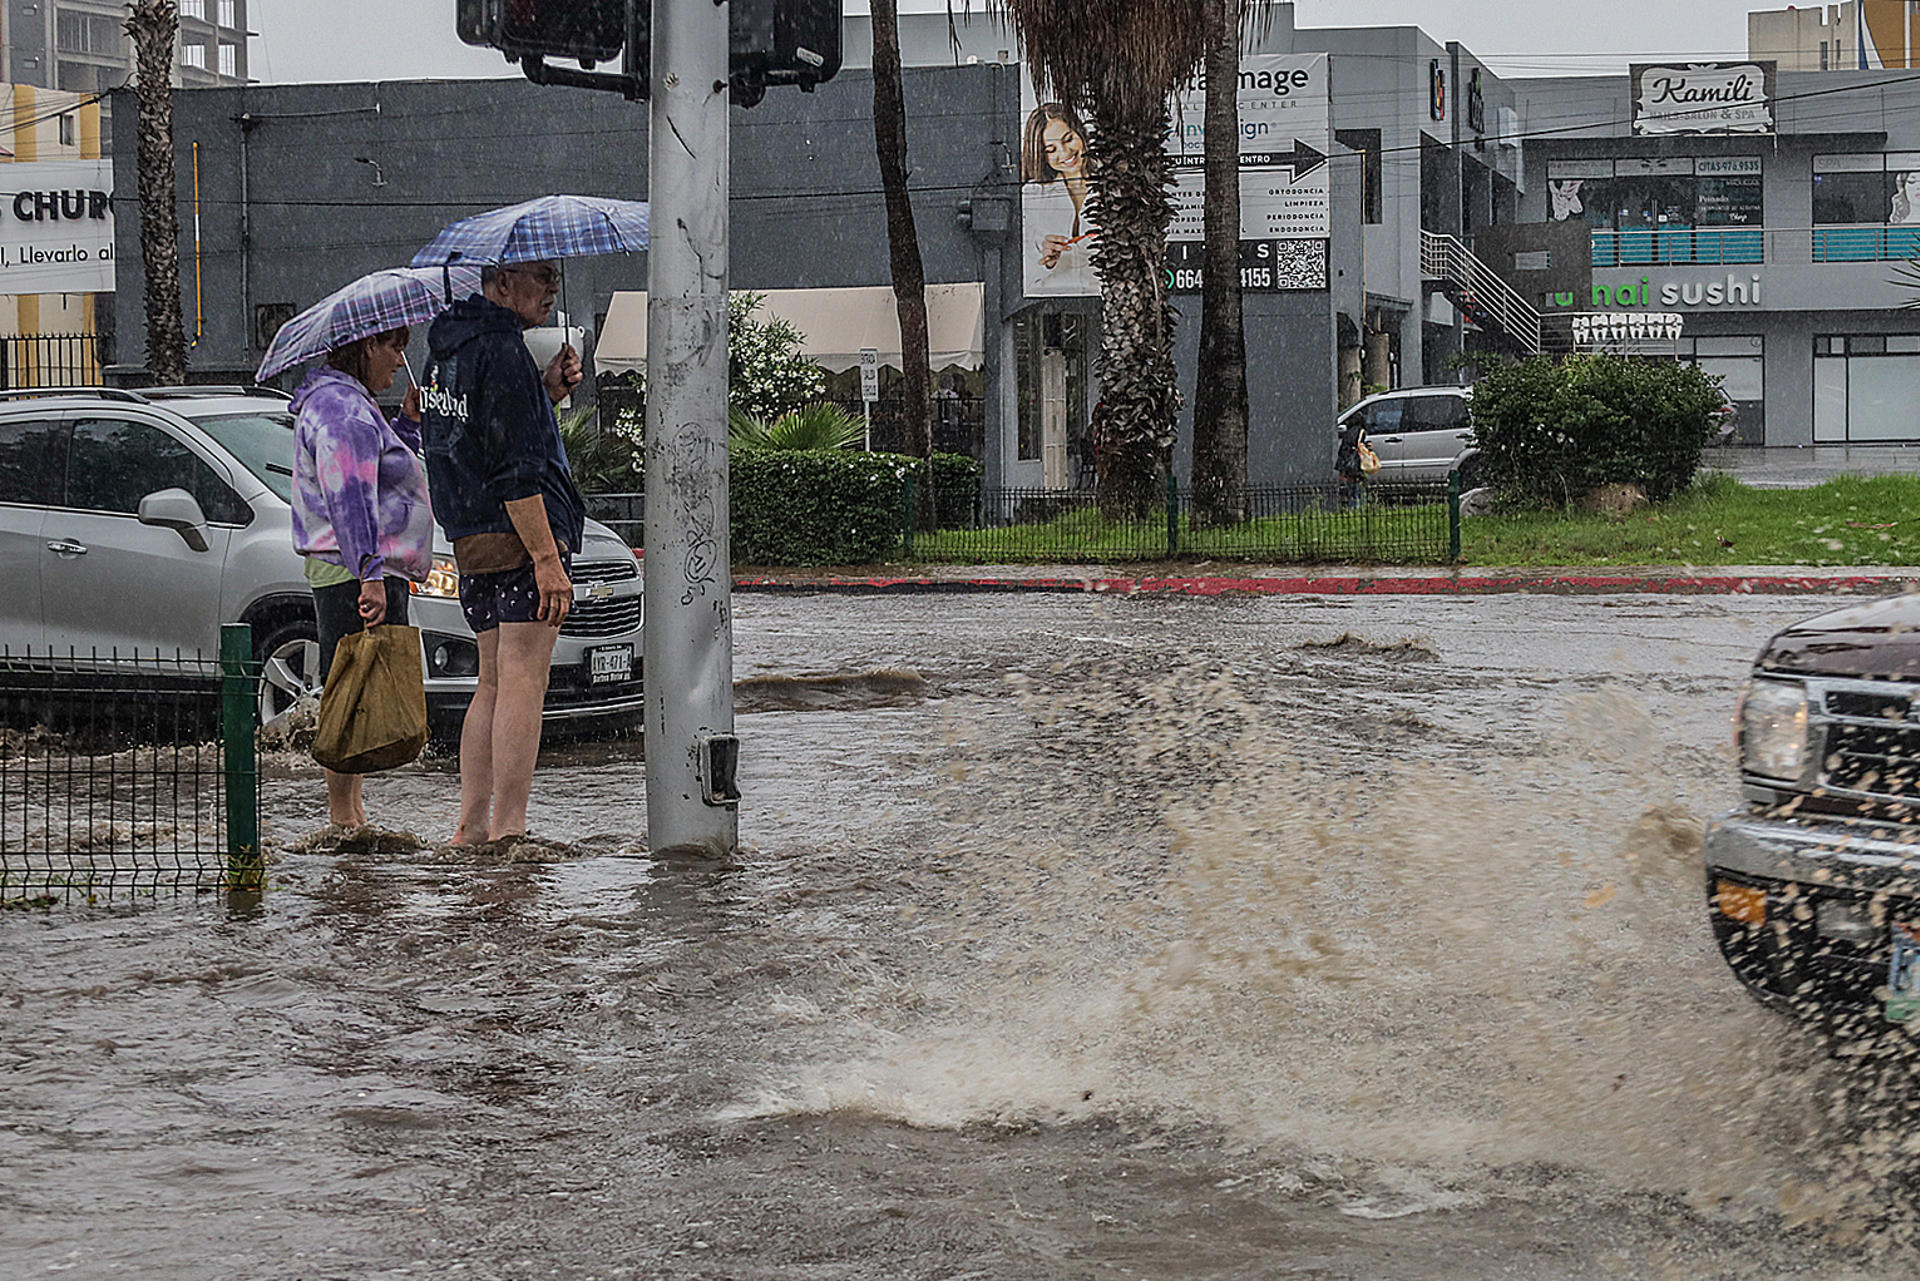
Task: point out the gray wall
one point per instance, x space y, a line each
807 211
806 204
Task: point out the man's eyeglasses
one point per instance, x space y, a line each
546 277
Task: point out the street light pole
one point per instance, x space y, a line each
692 800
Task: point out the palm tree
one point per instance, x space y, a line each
153 24
1120 62
903 239
1220 397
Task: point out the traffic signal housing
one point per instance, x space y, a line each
770 42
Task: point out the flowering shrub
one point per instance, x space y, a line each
766 374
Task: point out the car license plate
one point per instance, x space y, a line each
1903 975
609 664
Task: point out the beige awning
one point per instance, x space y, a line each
837 323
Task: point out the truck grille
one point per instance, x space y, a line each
1881 760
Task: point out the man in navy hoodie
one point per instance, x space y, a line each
504 493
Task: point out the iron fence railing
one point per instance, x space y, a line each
124 773
50 360
624 514
1280 524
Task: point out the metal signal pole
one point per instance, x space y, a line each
692 799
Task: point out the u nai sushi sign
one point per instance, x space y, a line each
1703 97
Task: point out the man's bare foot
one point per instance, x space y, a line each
462 837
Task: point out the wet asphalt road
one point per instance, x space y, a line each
1074 938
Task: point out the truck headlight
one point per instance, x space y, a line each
1773 729
442 580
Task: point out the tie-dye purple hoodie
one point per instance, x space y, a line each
359 490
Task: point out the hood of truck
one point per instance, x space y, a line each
1878 640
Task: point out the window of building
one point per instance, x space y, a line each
193 9
66 129
1864 387
1741 364
1866 207
90 33
1050 358
1672 209
194 55
1367 143
77 77
227 14
229 59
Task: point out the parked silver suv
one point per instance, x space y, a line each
135 522
1420 434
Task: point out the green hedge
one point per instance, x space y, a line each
1551 431
829 507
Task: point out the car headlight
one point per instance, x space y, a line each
1773 729
442 580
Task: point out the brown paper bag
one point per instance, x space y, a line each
373 709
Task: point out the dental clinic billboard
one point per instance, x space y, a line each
1285 184
1703 97
56 227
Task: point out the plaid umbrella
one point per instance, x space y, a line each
372 304
550 227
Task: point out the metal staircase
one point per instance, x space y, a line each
1480 294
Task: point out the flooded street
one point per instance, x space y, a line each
1074 938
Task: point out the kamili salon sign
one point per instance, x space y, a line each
1703 97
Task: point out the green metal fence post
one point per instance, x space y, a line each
1173 514
906 517
239 697
1453 515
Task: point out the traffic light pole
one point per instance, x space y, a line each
691 751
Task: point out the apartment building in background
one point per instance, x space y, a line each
81 46
1872 35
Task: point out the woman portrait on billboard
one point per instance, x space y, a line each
1053 160
1906 198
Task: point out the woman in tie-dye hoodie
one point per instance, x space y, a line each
360 511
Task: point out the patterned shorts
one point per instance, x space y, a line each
510 596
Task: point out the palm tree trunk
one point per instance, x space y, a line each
1220 396
153 25
903 238
1134 424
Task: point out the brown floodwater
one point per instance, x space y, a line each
1070 939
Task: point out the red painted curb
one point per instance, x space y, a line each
1434 585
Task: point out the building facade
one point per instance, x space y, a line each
1420 212
81 46
1785 252
1862 35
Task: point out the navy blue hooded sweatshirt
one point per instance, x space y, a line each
489 428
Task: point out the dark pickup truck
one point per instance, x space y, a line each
1814 885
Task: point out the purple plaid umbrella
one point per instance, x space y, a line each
550 227
372 304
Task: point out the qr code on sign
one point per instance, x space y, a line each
1300 264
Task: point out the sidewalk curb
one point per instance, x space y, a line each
1386 584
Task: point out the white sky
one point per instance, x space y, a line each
409 39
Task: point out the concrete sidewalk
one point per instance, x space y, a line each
1212 579
1802 467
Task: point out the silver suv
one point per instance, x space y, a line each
135 522
1420 434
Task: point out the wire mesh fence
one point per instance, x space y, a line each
126 773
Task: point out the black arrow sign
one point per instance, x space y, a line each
1303 160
